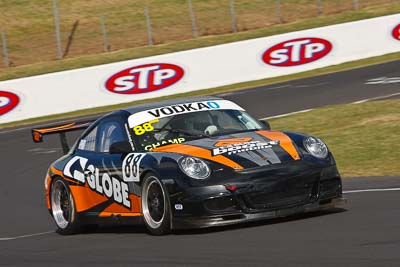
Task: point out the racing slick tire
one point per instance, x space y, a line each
63 208
155 206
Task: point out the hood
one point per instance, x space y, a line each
241 150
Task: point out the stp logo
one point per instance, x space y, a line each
396 32
8 101
144 78
297 52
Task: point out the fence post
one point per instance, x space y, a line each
193 19
319 7
148 25
57 25
355 3
5 50
104 34
233 16
278 11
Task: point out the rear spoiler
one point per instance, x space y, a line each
38 133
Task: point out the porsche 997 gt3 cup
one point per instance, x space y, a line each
188 163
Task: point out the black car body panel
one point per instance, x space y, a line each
254 174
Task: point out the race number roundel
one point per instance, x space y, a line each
396 32
144 78
297 52
8 101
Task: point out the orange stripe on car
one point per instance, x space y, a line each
47 187
85 198
48 181
232 141
117 209
59 173
285 142
109 214
198 152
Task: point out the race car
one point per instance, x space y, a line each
186 163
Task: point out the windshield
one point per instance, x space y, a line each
180 128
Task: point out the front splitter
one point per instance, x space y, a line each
235 218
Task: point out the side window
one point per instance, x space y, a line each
88 143
109 133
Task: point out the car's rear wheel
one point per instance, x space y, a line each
63 208
155 206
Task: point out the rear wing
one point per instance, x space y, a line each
38 133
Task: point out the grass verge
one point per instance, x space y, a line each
364 138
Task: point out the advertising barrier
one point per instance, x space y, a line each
197 69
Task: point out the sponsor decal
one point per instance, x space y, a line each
243 147
165 142
396 32
131 167
144 78
183 108
232 141
297 52
162 112
79 169
8 101
178 206
145 127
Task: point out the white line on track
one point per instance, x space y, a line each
240 92
371 190
24 236
310 85
16 130
287 114
375 98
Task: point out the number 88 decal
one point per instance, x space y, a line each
131 167
145 127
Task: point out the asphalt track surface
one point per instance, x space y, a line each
365 232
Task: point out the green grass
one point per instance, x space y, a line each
364 138
293 22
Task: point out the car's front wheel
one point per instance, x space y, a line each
63 208
155 206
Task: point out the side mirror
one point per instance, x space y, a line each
123 147
265 124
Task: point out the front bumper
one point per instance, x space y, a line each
228 219
256 194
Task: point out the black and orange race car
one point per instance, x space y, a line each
187 163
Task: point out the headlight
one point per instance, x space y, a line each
194 168
316 147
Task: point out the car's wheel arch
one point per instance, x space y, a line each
148 174
74 223
50 184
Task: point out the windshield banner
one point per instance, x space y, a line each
162 112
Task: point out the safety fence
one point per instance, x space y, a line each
36 31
